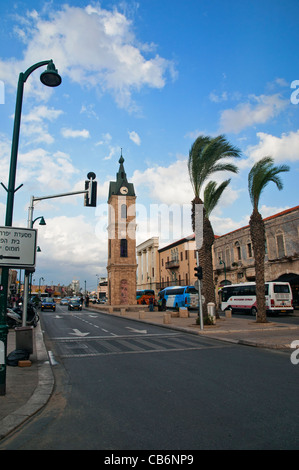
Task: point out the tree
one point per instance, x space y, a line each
259 176
212 194
207 156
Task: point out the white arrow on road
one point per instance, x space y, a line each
78 333
136 331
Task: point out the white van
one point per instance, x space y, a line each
242 297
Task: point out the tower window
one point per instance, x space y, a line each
123 248
123 211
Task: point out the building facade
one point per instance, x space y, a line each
233 257
148 264
168 266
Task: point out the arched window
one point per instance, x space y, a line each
238 251
280 244
123 248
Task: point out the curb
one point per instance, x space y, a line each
41 394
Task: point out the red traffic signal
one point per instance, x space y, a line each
198 272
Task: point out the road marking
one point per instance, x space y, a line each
52 359
136 331
78 333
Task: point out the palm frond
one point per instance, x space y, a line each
260 176
212 194
206 157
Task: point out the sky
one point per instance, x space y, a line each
146 79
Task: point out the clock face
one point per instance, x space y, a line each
124 190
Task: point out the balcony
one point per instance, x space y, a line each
173 264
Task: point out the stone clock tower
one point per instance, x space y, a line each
122 264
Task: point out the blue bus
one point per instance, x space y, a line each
178 296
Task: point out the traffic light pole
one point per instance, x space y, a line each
90 200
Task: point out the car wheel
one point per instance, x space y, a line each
254 311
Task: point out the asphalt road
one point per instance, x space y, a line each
124 385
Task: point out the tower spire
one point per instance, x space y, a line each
121 175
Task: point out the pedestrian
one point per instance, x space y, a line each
151 304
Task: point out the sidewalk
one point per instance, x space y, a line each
29 388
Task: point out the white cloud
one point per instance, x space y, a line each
34 126
218 98
40 113
284 148
72 242
223 225
41 167
108 58
71 133
135 137
166 184
257 111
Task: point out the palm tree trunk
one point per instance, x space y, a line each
257 231
208 279
205 258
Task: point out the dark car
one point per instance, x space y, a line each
75 305
48 302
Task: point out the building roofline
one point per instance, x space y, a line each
177 242
192 237
286 211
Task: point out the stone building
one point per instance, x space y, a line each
234 258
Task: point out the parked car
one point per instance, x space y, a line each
48 302
74 305
64 301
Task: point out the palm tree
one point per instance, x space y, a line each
212 194
207 156
259 176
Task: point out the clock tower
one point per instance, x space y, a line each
122 264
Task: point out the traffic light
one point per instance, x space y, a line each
198 272
90 198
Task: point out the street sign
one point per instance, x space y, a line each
17 247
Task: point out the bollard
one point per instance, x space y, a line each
166 318
228 313
183 312
122 311
212 311
141 315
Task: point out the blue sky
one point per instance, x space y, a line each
147 77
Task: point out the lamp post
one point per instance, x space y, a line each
51 78
28 274
224 266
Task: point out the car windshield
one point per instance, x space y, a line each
49 299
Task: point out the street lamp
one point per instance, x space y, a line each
224 266
49 78
28 275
